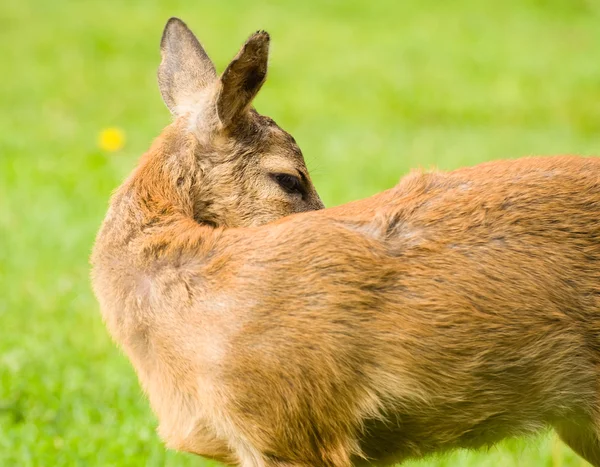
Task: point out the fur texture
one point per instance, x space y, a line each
453 310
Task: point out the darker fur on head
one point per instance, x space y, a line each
232 153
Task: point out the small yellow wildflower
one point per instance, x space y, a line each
111 139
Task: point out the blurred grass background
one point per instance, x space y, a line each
368 88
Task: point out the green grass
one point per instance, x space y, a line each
369 89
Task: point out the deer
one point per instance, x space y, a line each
453 310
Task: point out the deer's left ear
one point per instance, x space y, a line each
186 71
243 78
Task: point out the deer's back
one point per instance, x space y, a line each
474 294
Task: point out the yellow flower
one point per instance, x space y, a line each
111 139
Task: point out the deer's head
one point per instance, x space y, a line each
247 170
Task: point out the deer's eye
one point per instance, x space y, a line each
289 183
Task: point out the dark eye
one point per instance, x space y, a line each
289 183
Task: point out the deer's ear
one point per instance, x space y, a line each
243 78
185 70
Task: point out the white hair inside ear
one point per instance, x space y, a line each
189 84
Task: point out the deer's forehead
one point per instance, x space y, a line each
259 141
281 142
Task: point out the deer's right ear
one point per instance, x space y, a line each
185 70
243 78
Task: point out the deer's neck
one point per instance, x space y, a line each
150 225
155 199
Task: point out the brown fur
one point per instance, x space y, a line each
454 310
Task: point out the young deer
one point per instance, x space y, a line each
453 310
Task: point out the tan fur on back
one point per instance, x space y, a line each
453 310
